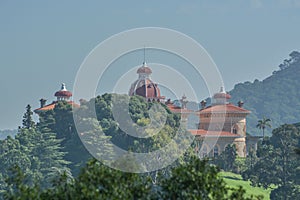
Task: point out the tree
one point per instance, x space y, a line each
297 151
263 124
278 164
27 118
227 158
64 123
198 180
251 159
45 153
11 153
295 56
192 180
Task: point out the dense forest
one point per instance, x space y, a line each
276 97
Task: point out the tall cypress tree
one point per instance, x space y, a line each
27 118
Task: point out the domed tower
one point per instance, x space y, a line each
221 97
63 94
224 122
144 86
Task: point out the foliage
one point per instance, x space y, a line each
227 158
262 124
277 163
251 159
193 180
5 133
38 155
276 96
27 118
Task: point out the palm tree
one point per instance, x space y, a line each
262 124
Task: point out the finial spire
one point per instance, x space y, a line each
222 90
63 87
144 55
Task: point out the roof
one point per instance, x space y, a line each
145 88
144 69
222 95
177 109
52 106
224 108
205 133
63 93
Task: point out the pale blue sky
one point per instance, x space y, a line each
43 43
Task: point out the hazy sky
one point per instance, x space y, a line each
42 44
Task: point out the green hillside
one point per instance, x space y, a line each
235 180
276 97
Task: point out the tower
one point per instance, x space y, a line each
144 86
224 122
63 94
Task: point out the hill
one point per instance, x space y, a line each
276 97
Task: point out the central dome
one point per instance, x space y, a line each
144 86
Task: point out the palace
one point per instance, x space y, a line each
221 123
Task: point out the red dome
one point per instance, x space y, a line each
145 88
62 93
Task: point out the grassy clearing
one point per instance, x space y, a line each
235 180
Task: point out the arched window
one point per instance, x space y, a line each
204 151
235 129
216 151
227 145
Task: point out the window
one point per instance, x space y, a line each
234 130
216 151
204 151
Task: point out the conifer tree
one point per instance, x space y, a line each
45 153
27 118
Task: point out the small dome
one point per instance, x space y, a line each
144 69
222 95
63 92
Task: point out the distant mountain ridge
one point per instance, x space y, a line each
276 97
8 132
